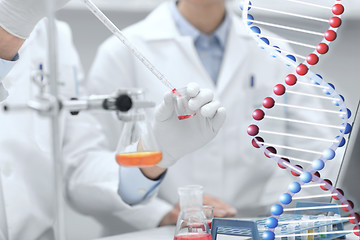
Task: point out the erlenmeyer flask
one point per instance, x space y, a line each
137 145
191 223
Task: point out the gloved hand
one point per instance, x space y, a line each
179 137
19 17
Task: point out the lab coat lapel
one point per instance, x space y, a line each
159 24
189 50
168 31
235 54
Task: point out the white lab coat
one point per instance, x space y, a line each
228 167
26 166
25 140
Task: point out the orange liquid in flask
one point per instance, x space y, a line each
139 158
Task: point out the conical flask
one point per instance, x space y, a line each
137 145
191 223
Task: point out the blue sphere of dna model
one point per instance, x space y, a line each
303 123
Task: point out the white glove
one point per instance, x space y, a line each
19 17
180 137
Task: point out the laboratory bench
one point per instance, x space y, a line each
167 233
161 233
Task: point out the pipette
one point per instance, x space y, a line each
101 16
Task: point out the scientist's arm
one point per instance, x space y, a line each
176 138
9 45
112 69
153 173
17 20
19 17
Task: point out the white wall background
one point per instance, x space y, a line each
340 66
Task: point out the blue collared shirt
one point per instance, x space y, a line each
210 48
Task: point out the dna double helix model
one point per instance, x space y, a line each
304 121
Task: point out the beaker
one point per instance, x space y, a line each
181 104
191 223
137 145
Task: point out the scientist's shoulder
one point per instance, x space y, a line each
158 22
62 28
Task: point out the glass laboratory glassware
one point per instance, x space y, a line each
191 223
137 145
181 104
209 214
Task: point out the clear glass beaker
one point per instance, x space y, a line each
181 104
191 223
137 146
